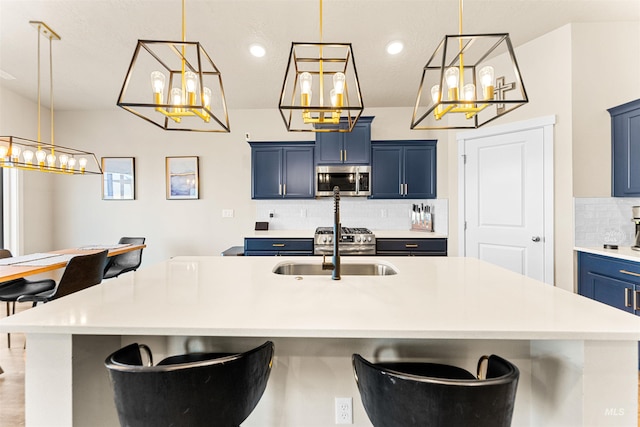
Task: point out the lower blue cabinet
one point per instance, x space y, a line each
257 246
612 281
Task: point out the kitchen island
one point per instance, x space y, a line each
577 357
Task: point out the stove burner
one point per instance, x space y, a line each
344 230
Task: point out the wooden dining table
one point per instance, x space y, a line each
16 271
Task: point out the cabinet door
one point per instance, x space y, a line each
625 133
266 167
386 172
298 173
329 146
613 292
420 172
357 144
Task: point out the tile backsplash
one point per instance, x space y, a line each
604 220
354 212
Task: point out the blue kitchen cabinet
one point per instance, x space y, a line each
411 247
345 147
403 169
278 247
611 281
282 171
625 145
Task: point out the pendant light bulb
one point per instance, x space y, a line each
191 82
176 96
3 151
435 93
305 88
72 163
15 153
469 92
64 159
157 85
41 155
27 155
51 160
486 76
83 164
452 76
338 82
206 97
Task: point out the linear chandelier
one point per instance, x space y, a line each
321 91
27 154
460 83
176 86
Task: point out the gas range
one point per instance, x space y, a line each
353 241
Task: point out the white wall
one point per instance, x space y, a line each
180 227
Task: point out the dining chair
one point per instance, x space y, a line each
12 289
213 389
128 261
82 271
432 394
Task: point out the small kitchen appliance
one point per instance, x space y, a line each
352 180
353 241
636 219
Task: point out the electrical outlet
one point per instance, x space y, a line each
383 213
344 410
303 213
227 213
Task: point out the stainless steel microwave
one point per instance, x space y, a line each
352 180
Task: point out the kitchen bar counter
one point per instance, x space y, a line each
577 357
623 252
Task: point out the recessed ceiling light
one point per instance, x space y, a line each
257 50
394 47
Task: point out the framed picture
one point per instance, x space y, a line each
182 178
118 178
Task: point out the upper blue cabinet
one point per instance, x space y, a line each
625 156
403 169
282 170
352 148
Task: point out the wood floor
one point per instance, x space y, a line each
12 380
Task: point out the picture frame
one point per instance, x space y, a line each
118 178
182 179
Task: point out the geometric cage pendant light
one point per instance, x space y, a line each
469 81
176 86
320 91
27 154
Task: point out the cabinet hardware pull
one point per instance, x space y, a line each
401 188
626 297
341 159
345 155
284 190
410 245
279 189
278 245
630 273
406 189
635 300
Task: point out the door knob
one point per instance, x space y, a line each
535 238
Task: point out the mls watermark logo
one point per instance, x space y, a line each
613 412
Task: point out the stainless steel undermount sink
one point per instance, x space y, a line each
346 269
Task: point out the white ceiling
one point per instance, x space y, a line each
99 37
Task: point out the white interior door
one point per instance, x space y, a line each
504 200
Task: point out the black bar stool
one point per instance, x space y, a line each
431 394
217 389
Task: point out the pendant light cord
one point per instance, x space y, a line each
460 6
51 91
320 63
39 87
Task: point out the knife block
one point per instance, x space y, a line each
423 225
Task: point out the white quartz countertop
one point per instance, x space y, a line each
623 252
393 234
429 298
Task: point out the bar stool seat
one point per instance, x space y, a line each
432 394
217 389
